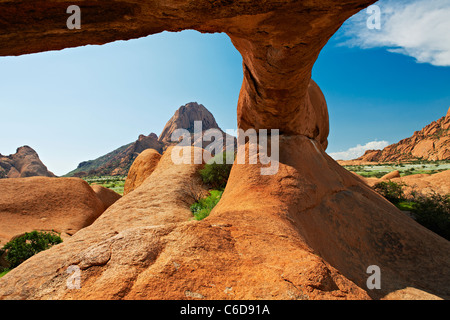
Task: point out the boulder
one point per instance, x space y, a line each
391 175
184 118
107 196
24 163
64 205
141 169
308 232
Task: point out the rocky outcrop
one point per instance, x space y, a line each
391 175
64 205
430 143
185 117
310 231
107 196
119 161
24 163
425 184
141 169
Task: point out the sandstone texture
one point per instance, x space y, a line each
24 163
431 143
141 169
310 231
64 205
107 196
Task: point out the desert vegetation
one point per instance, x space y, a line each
377 170
215 176
432 211
24 247
115 183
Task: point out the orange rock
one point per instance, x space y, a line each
24 163
431 143
107 196
141 169
391 175
65 205
308 232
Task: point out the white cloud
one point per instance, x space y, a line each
359 150
417 28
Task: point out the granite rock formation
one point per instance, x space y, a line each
141 169
431 143
24 163
310 231
64 205
119 161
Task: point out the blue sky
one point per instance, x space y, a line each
78 104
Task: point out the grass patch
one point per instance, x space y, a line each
406 205
203 207
5 271
115 183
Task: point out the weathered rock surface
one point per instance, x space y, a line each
64 205
308 232
107 196
430 143
24 163
278 40
185 117
141 169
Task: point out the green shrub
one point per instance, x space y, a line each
216 174
433 212
391 191
202 208
21 248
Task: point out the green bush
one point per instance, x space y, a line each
391 191
433 212
202 208
216 174
21 248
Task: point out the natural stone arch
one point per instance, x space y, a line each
279 42
309 231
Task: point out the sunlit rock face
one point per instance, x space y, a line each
310 231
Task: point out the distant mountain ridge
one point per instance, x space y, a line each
119 161
24 163
431 143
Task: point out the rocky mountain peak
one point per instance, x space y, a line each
184 118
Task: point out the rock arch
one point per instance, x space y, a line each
310 231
